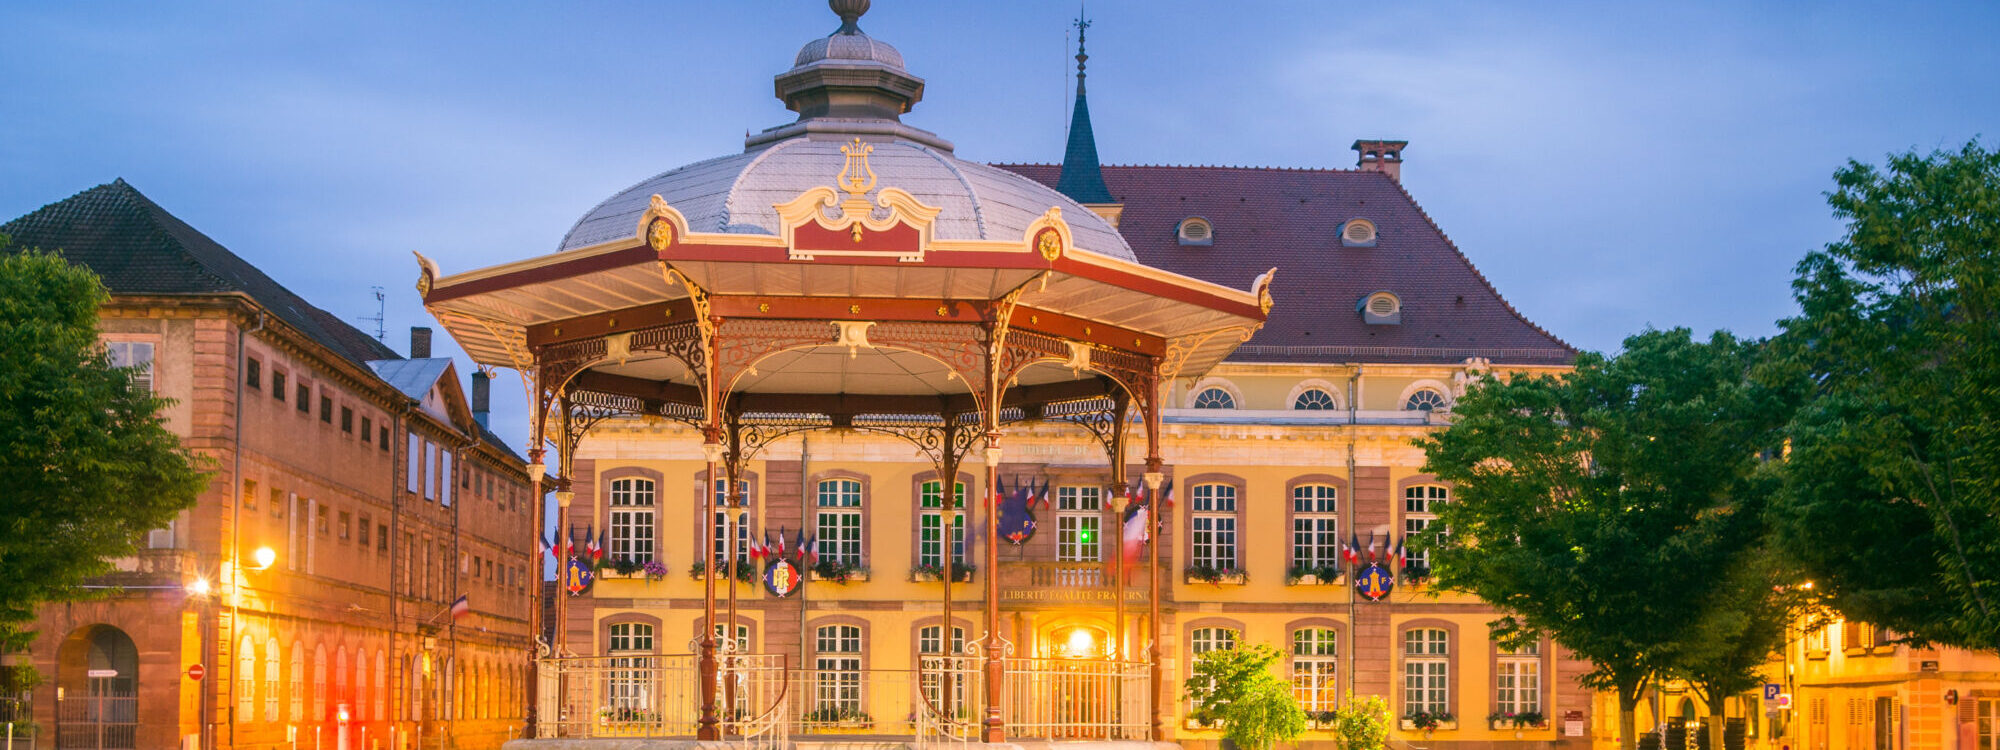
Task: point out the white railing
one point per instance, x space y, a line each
1066 699
761 703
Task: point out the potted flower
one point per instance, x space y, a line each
838 571
1425 721
925 573
1312 575
624 567
1213 575
654 570
744 570
1530 719
840 717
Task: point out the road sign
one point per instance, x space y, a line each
196 672
1771 691
1784 702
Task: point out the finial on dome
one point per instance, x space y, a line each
850 12
1082 25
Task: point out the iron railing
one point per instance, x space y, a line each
97 723
1069 699
660 696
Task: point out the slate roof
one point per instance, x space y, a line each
138 248
1292 219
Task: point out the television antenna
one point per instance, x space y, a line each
381 333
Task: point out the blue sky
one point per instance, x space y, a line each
1609 166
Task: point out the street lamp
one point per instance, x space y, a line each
265 557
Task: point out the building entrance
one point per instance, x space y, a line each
97 689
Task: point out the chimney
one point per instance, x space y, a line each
420 342
1381 156
482 396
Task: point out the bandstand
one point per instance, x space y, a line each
848 272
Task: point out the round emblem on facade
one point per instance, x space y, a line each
576 577
1049 244
660 234
1374 582
781 577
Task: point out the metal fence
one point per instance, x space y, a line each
762 702
97 723
17 724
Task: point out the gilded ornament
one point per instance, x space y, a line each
660 234
763 307
857 232
943 311
851 178
1050 245
854 309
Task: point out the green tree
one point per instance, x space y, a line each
1236 687
1600 507
92 466
1362 723
1753 607
1889 501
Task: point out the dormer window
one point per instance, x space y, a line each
1195 230
1381 308
1358 233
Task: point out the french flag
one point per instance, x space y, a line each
461 608
1135 534
1352 549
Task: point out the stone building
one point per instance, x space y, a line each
355 495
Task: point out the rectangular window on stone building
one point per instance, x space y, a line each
346 526
253 373
1517 681
250 493
930 524
1426 671
277 503
347 420
839 521
326 409
1315 527
383 433
1079 514
278 384
1420 506
136 356
381 537
365 526
1214 525
367 430
838 693
1316 668
322 517
444 478
304 394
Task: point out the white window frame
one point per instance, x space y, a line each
930 519
1315 525
137 355
1213 520
1213 397
246 678
1079 511
1420 503
633 518
1316 668
631 645
298 682
1517 681
837 664
1325 402
1426 670
840 522
721 522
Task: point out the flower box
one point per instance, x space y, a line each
1208 575
1314 579
1442 725
839 573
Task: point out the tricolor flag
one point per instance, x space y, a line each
1373 545
1135 534
461 608
799 544
590 547
548 547
1352 549
603 545
781 541
1044 494
810 550
1398 554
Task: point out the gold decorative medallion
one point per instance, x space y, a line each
1050 245
660 234
851 178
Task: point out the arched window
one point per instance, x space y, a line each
1214 398
631 519
360 696
1316 668
839 522
1358 233
298 683
414 708
1314 399
272 680
319 684
1426 671
340 694
1425 399
246 677
381 686
1195 231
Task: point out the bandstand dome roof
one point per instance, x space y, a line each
737 194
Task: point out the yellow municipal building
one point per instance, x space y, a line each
1279 459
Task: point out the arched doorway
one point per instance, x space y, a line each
97 689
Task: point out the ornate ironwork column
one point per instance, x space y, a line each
995 667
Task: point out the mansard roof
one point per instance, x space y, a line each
1292 219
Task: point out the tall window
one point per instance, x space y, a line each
632 509
930 642
1315 526
930 523
629 677
1987 726
137 355
1204 640
298 683
1079 513
271 680
839 521
319 683
731 521
340 676
1420 506
1517 681
381 686
359 698
837 687
414 474
444 477
246 678
1315 668
1426 671
1214 521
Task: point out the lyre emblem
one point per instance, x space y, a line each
851 180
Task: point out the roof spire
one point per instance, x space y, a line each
1082 178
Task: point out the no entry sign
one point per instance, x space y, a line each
196 672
